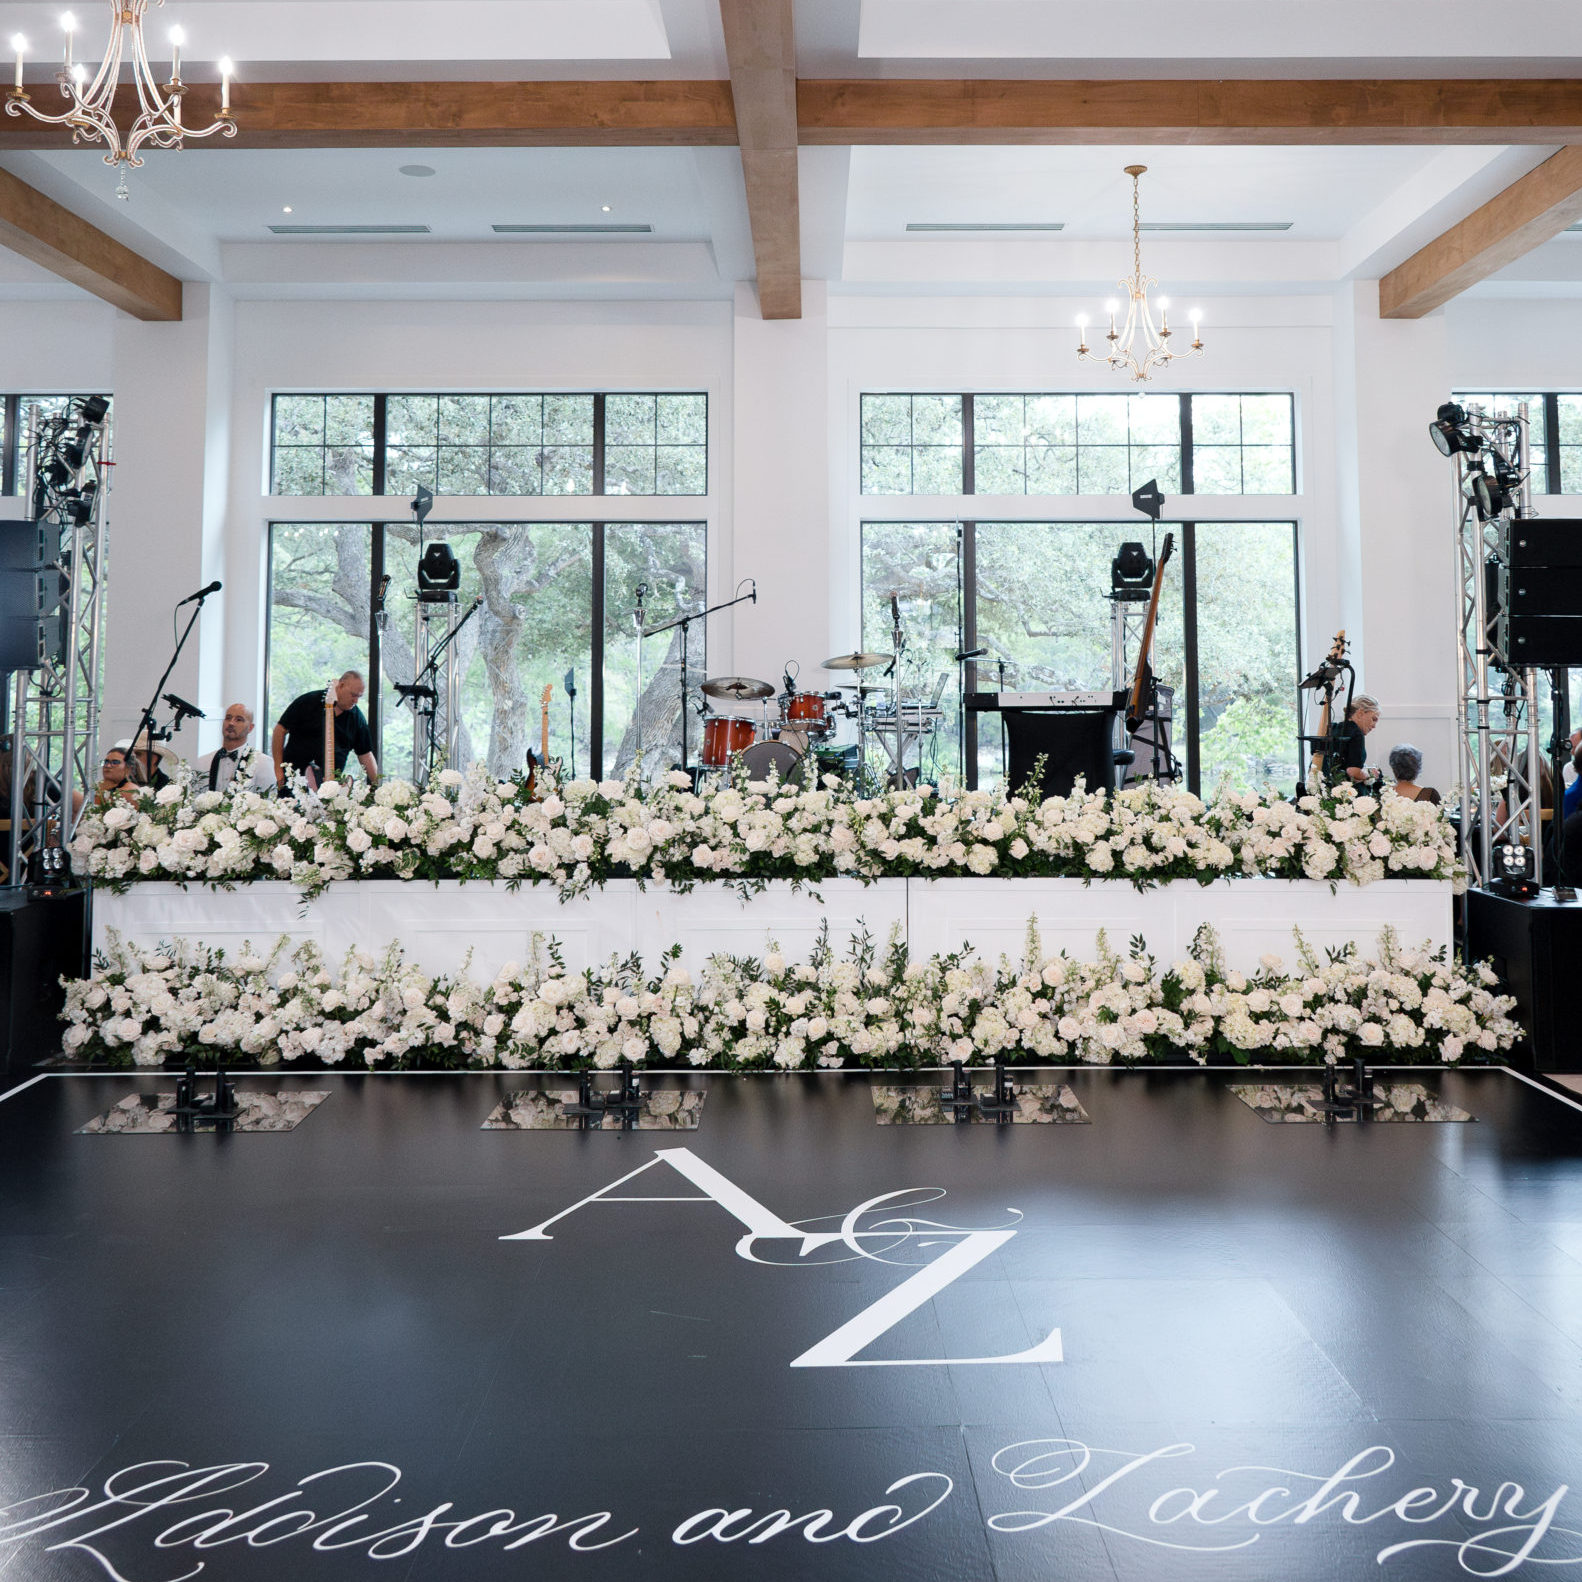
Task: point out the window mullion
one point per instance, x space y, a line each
1189 653
596 659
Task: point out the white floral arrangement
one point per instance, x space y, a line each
583 833
871 1006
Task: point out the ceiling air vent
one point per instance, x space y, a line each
350 230
986 225
572 230
1217 225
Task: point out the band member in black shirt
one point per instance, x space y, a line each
1350 756
298 740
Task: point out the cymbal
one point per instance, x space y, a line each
738 689
855 661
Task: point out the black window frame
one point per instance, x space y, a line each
381 401
969 441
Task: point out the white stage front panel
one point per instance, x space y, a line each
438 924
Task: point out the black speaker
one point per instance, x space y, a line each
1538 605
19 593
1546 541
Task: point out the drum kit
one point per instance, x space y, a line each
798 732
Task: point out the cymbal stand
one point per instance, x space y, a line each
637 704
685 623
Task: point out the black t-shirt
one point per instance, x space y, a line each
304 723
1350 750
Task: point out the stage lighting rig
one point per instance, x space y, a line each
438 574
1131 572
1450 432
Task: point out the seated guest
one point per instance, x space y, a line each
1573 796
120 775
1406 764
1349 756
158 762
236 759
298 739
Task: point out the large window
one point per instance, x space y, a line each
17 414
521 444
1554 420
1070 444
558 599
1035 596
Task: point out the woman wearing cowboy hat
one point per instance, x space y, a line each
155 759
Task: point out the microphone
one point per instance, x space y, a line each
201 594
754 581
184 708
895 611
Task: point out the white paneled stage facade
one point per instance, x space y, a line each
438 925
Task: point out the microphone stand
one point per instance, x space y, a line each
637 703
685 623
145 726
417 687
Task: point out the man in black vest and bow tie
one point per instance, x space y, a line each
235 757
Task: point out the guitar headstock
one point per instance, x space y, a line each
1337 649
549 693
1166 552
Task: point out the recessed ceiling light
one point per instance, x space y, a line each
416 170
985 225
287 209
604 208
1216 225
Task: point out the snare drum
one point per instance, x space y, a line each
725 735
807 713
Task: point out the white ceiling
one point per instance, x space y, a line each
1354 211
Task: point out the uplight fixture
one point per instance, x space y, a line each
158 122
1138 346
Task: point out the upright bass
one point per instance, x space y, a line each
1142 683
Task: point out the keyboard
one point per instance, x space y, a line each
1046 700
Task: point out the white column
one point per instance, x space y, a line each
1397 585
166 512
780 499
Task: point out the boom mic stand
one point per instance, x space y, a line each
145 727
420 691
685 623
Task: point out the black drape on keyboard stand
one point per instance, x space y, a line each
1072 742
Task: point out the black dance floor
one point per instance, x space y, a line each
1174 1340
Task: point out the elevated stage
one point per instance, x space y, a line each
1161 1337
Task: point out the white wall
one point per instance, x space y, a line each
784 502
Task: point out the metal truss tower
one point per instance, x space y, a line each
55 704
1498 739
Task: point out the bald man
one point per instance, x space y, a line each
236 759
298 740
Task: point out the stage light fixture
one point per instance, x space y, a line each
57 475
73 453
438 573
93 409
1450 433
1131 571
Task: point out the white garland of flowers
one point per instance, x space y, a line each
584 832
873 1006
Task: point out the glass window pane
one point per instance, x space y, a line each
1052 469
516 420
936 469
671 557
683 420
1216 420
568 420
348 470
1155 420
1159 462
681 469
408 466
1102 469
535 625
412 420
318 609
568 469
349 420
1571 469
629 469
936 420
1246 623
1570 419
1101 420
886 420
917 562
998 470
629 420
513 469
1216 469
463 470
299 469
886 469
997 420
1266 469
1266 420
464 420
299 420
1051 420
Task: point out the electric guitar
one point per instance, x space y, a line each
1337 656
535 760
1141 683
327 763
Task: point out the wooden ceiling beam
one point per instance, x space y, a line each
1527 213
441 115
40 230
760 43
1011 111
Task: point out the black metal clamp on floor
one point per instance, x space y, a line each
1357 1099
624 1102
218 1110
968 1103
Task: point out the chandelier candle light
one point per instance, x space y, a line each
1155 350
159 104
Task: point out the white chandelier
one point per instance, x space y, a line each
1154 351
159 104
